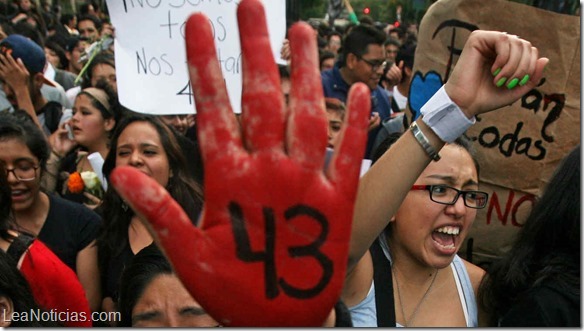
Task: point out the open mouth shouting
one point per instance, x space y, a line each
446 238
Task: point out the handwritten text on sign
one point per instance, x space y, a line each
150 50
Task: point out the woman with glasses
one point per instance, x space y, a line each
412 276
67 228
31 276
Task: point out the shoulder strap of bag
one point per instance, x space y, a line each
383 287
19 245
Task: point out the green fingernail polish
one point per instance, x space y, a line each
496 72
513 83
501 81
524 80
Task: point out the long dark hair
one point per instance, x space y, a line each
546 248
5 204
181 186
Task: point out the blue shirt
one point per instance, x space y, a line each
334 86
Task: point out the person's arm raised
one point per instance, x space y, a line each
475 87
14 73
352 15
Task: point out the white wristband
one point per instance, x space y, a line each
444 117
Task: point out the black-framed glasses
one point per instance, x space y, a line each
23 172
447 195
375 65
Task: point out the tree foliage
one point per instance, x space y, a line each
313 9
414 10
381 11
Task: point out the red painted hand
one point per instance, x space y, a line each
273 240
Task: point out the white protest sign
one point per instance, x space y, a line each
151 69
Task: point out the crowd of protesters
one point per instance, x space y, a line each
74 245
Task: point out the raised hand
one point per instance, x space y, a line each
13 71
273 240
489 59
473 87
14 74
60 141
393 76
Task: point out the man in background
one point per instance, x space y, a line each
362 60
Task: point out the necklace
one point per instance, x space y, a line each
409 320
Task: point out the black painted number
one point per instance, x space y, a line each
273 284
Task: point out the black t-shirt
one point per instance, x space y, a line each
68 229
111 274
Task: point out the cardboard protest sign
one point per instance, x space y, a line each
150 53
518 147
